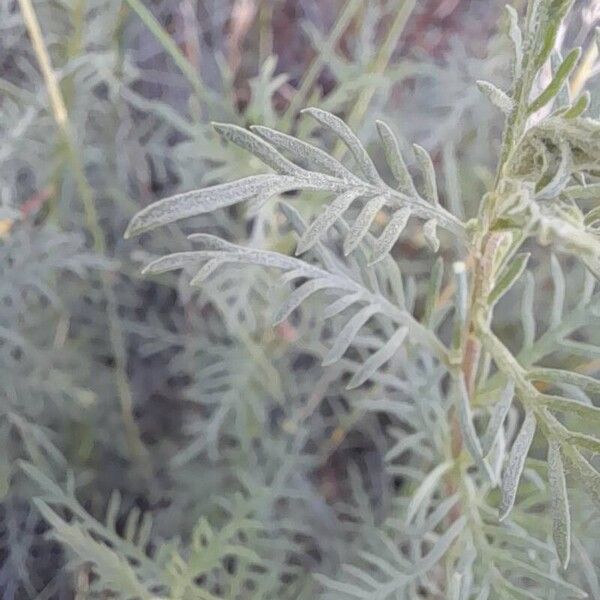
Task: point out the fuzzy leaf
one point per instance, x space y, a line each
385 242
583 471
303 292
433 290
558 298
509 277
560 178
441 546
579 107
516 462
422 494
208 199
587 442
560 77
348 333
394 158
516 36
340 305
496 96
467 428
344 132
206 271
319 227
430 234
497 419
379 358
428 172
258 147
561 517
588 412
313 157
363 222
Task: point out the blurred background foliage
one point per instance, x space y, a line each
183 405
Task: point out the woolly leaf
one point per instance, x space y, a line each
337 126
302 293
428 172
385 242
426 489
516 36
379 358
586 411
579 106
499 413
206 271
561 377
561 177
313 157
361 225
348 333
430 234
208 199
516 462
467 428
558 299
319 227
394 158
496 96
441 546
509 277
583 471
561 517
560 77
341 304
259 148
433 290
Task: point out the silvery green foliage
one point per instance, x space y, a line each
448 511
195 406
